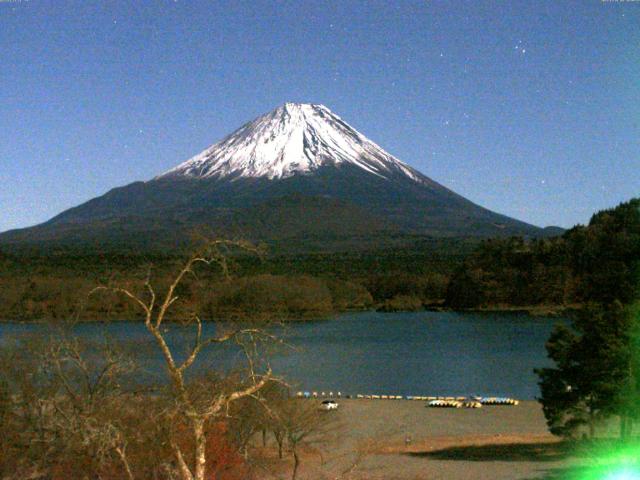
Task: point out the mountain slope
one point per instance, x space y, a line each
299 171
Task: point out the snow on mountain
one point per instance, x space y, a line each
292 139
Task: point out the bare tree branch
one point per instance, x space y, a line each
195 413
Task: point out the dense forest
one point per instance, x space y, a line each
291 285
598 262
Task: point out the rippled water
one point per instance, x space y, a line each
423 353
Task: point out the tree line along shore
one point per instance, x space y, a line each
544 276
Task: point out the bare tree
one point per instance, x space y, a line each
90 385
64 406
194 407
244 421
302 420
296 421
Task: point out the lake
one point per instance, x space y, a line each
418 353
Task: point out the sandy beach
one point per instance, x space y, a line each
401 439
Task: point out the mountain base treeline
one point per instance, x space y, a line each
599 262
292 286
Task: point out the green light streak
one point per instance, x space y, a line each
616 463
623 474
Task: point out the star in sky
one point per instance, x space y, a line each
207 77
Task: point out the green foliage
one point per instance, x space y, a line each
606 254
596 263
466 288
597 361
591 374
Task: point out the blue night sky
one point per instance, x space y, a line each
529 108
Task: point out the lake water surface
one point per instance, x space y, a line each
422 353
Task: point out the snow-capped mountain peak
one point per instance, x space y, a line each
295 138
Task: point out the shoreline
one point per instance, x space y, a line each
532 310
551 311
407 441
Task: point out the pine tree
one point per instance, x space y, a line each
595 373
597 364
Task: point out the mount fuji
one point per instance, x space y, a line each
298 173
292 139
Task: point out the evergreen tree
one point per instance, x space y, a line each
592 369
597 364
629 396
